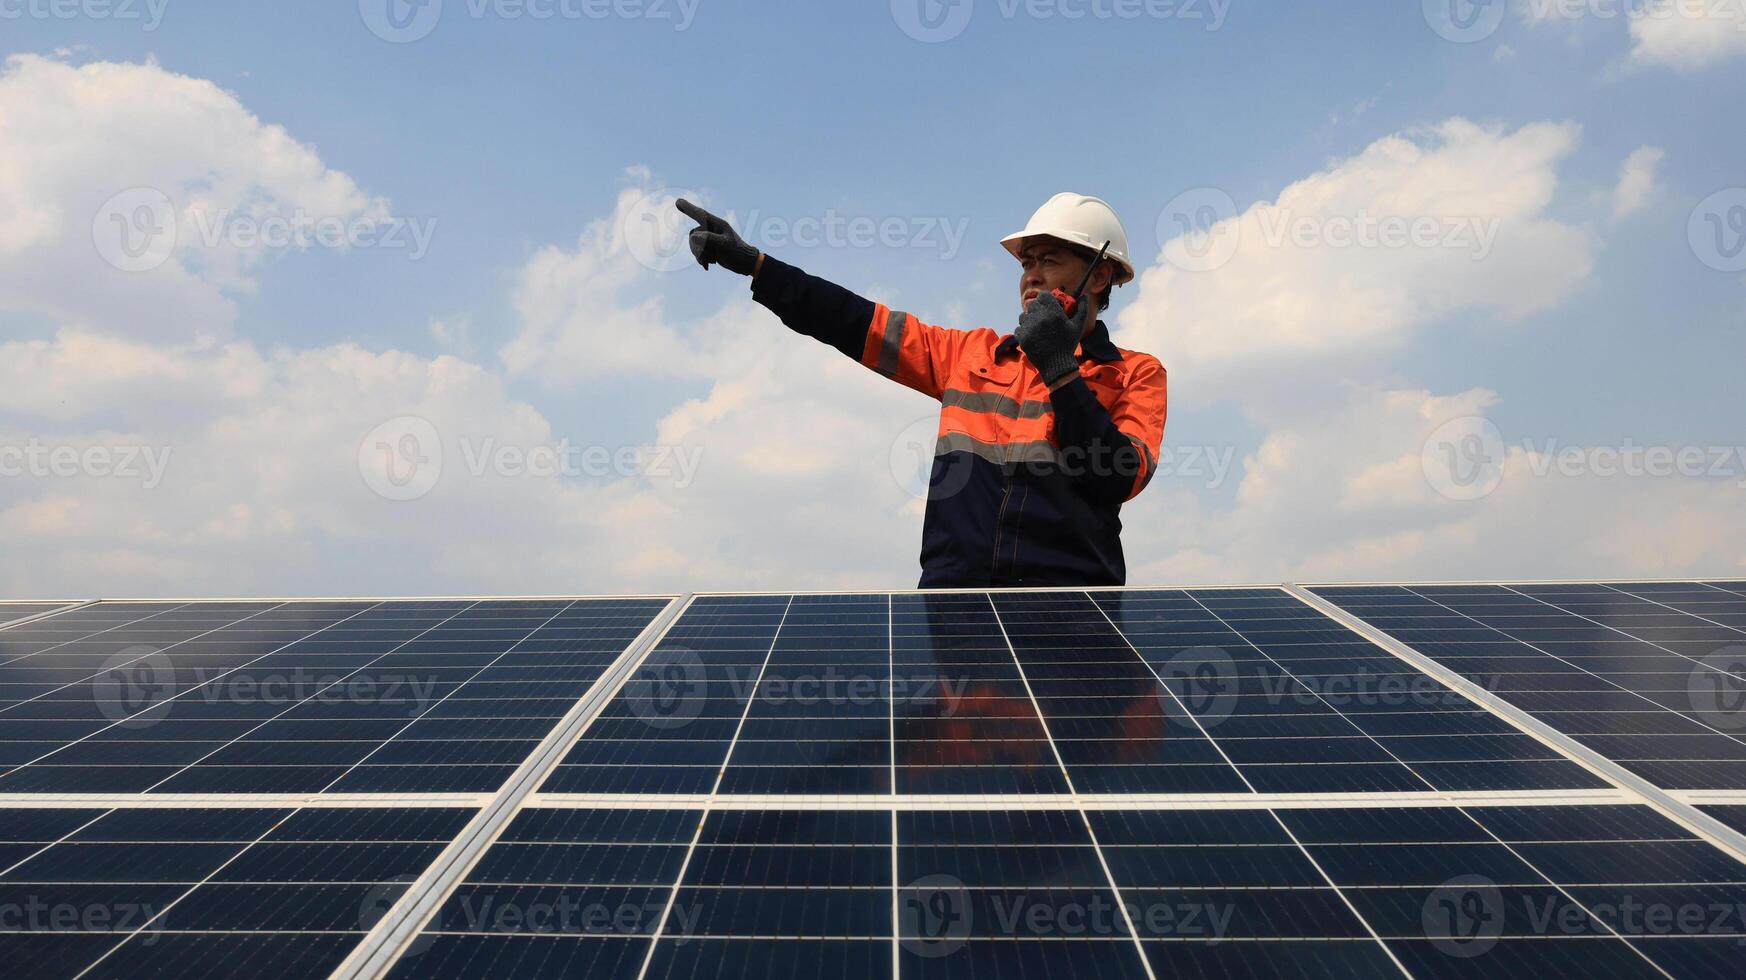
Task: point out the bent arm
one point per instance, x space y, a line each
1118 446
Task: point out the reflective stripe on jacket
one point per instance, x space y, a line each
1027 484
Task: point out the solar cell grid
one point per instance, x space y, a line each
1153 691
405 696
143 892
1648 675
1299 703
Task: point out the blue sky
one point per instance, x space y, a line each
509 135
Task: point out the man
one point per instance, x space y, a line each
1044 432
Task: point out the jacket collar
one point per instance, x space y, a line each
1096 345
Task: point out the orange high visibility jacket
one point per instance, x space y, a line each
1027 484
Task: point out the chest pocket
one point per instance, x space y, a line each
984 373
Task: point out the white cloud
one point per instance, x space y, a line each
599 309
800 455
1347 495
1688 34
76 136
1478 194
1637 184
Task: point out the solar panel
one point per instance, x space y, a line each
297 697
212 891
1039 783
1650 675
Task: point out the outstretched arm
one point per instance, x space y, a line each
895 344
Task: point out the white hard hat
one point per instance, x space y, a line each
1079 220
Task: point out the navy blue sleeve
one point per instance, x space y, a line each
816 307
1102 456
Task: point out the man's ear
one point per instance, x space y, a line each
1101 278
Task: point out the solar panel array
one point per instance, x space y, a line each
1107 782
1650 675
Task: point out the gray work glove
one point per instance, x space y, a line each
714 240
1048 336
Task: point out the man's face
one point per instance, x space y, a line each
1045 264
